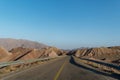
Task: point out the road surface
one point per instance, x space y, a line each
61 69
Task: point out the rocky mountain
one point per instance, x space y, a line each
103 53
9 44
29 53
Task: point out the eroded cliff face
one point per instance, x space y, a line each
103 53
110 54
29 53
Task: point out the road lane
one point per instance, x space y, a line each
42 72
59 72
73 72
62 69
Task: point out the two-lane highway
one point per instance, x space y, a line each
60 69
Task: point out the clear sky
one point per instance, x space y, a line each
62 23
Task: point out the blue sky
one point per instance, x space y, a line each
62 23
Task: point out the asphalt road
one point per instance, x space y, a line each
60 69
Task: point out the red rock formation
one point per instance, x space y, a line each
26 53
100 53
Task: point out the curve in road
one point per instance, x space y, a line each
60 69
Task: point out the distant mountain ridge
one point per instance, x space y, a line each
9 43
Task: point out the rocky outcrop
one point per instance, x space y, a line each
103 53
28 53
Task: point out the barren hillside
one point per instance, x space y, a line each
28 53
109 54
9 44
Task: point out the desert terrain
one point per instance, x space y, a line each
100 63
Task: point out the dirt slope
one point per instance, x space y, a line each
4 53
